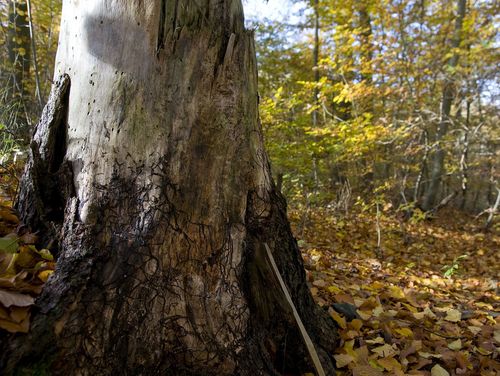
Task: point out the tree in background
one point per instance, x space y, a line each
24 84
405 103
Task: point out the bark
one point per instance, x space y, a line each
437 162
162 268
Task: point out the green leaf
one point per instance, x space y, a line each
9 244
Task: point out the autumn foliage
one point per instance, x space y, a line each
423 303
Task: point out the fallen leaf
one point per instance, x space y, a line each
343 359
44 275
8 244
396 292
338 319
378 340
19 314
427 355
356 324
474 329
453 315
390 364
13 327
385 351
455 345
404 332
366 371
437 370
8 298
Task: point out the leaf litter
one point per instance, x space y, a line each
23 271
397 308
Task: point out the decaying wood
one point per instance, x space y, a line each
159 270
47 181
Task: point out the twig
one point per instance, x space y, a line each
309 344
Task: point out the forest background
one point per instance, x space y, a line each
381 120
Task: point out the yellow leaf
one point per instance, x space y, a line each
25 258
396 292
338 319
378 311
405 332
389 364
437 370
334 289
483 305
496 336
343 360
378 340
44 275
349 349
366 371
45 253
418 315
455 345
356 324
385 351
365 315
482 351
453 315
410 308
427 355
428 312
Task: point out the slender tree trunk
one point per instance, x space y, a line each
38 89
19 53
437 161
464 159
164 206
18 45
316 63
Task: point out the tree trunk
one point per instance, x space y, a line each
19 53
316 64
437 162
164 203
18 45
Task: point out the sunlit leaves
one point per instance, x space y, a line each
407 321
23 270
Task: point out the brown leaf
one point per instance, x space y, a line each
343 359
385 351
19 314
29 238
8 298
366 371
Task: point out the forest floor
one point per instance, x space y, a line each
426 302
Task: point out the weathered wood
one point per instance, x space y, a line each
159 270
47 182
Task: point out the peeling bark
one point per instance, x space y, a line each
161 268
